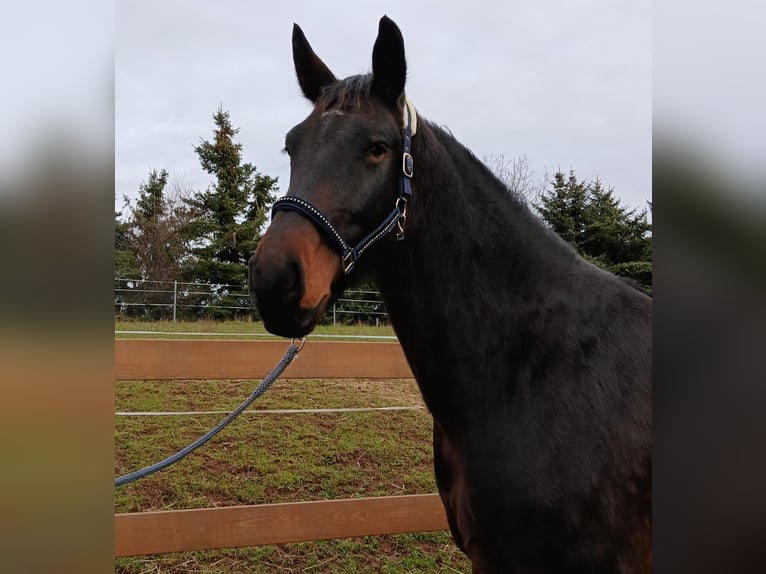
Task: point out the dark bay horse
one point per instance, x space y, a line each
535 365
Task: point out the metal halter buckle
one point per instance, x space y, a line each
408 164
395 220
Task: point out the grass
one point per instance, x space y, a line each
236 329
410 553
265 458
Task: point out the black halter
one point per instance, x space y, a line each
396 219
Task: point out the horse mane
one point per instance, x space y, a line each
435 146
351 94
444 135
449 161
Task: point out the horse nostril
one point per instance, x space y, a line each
276 284
294 288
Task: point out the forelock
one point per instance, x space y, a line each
349 95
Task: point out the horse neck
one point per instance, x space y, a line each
472 260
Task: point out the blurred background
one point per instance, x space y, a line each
56 295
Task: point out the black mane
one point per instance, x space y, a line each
350 95
454 169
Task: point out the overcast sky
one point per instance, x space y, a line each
568 84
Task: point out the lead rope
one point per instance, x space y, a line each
291 353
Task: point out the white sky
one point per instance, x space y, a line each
568 84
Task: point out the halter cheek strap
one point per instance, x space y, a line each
396 219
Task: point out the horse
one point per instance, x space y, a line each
535 365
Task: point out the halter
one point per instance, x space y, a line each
396 219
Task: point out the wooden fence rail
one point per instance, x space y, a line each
232 526
228 527
206 359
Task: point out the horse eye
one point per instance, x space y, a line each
377 149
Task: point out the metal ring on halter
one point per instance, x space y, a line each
303 342
401 205
348 261
395 220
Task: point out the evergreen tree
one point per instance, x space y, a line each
564 208
157 222
151 200
606 233
125 262
613 233
149 247
226 217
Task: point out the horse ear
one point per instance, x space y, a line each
389 69
312 72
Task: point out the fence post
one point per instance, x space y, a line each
175 298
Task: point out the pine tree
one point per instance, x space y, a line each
613 232
125 262
151 200
565 207
606 233
150 246
228 216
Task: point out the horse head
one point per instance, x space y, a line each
345 169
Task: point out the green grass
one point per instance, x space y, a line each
234 328
264 458
405 553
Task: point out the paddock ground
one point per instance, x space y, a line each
278 457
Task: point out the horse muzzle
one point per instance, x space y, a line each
276 289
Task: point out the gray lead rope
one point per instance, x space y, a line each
292 351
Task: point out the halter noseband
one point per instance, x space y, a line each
396 219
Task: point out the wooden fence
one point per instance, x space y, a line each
213 528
